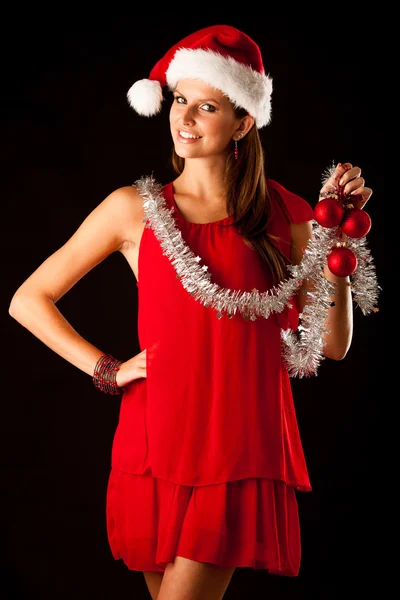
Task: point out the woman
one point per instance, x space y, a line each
207 456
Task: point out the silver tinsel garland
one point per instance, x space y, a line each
302 351
364 285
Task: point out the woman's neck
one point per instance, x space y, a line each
201 181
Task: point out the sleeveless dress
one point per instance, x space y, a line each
207 457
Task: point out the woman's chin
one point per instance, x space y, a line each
186 152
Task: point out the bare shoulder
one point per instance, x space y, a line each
126 194
126 205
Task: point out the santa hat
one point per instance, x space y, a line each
221 56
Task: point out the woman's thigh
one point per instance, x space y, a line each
184 578
153 581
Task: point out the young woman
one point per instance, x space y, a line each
207 457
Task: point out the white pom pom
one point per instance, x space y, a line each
145 97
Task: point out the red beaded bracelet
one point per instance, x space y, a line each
105 374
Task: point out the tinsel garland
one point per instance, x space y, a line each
302 352
364 284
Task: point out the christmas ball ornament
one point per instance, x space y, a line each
356 223
342 261
329 212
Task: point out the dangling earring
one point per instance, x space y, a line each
236 150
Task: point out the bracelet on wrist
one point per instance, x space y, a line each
105 374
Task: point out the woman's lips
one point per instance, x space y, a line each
187 140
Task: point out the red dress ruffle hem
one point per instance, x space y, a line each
245 523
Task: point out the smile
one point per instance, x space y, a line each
186 137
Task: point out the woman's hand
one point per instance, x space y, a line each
348 180
132 369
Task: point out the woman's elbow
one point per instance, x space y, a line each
13 307
337 346
337 353
337 356
20 302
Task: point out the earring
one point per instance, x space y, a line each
236 150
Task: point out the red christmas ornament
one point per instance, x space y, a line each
342 261
329 212
356 223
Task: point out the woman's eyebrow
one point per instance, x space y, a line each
200 99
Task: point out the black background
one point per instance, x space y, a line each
69 138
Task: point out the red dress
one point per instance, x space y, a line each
207 454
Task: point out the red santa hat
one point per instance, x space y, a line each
221 56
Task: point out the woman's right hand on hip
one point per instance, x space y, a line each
132 369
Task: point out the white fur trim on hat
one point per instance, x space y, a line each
145 96
243 85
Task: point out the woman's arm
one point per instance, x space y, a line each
103 232
340 315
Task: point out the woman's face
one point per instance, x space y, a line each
202 120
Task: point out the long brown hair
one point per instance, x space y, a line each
248 199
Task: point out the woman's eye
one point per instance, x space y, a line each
208 107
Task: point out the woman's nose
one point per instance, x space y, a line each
187 116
